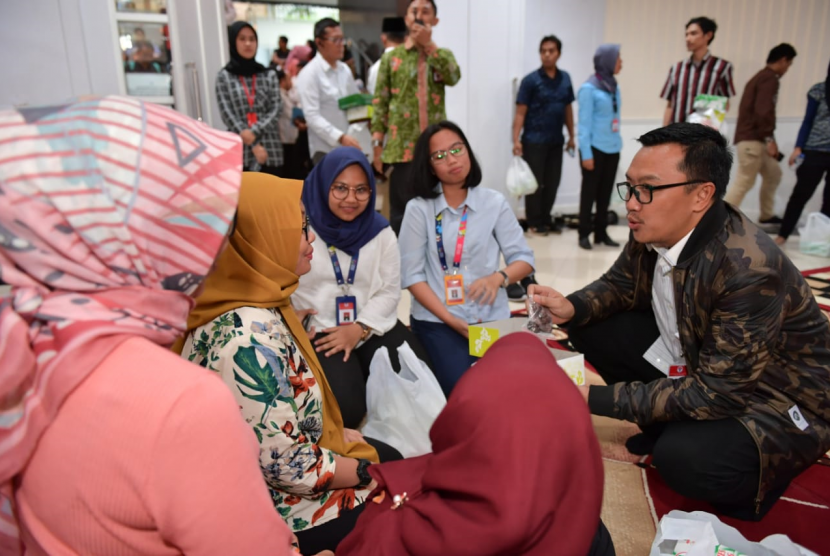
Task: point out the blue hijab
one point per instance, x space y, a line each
349 237
605 60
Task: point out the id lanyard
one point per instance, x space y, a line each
338 273
459 244
251 96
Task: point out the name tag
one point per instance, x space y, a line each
454 289
252 119
678 371
615 125
346 310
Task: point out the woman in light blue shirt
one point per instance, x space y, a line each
599 143
452 236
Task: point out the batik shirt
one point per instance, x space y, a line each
406 102
256 356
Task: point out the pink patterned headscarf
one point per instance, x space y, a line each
298 55
112 211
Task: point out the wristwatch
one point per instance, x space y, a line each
363 477
377 143
506 279
366 330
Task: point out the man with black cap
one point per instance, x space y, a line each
392 34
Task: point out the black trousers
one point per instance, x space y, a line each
348 378
328 535
597 186
545 161
815 166
400 193
714 461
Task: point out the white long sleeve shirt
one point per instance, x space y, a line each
320 87
376 288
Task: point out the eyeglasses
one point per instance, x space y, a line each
335 40
305 226
340 191
438 157
644 192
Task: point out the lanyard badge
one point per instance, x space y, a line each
251 96
453 283
345 305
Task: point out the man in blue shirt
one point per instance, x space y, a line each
543 106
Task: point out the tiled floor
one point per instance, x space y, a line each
562 265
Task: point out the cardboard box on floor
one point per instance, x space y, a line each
485 334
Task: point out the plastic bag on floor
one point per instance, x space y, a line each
701 533
401 408
520 178
815 236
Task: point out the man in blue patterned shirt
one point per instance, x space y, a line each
543 106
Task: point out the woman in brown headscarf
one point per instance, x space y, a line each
244 328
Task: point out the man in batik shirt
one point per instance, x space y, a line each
409 96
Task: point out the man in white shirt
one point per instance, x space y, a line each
393 33
321 84
707 336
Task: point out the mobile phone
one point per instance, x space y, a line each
571 152
306 322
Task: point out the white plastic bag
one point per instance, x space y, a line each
400 408
520 179
701 533
815 236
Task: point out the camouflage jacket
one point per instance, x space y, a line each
755 341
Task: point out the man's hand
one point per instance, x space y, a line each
248 136
772 149
588 164
260 154
421 34
517 148
794 156
351 435
561 309
349 141
339 338
484 290
377 163
571 146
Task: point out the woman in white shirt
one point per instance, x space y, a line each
354 287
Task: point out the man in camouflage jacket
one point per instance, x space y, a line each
755 344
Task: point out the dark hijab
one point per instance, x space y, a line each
523 482
827 87
238 65
605 61
349 237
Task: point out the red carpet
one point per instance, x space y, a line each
802 513
819 280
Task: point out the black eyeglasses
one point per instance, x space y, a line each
644 192
305 226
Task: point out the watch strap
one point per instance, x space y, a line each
506 279
363 476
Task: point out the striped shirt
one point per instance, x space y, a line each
234 108
713 76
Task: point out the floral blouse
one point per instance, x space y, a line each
254 352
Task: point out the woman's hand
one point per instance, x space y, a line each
260 154
484 290
794 156
248 136
460 326
561 309
339 338
351 435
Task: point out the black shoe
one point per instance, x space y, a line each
585 243
528 280
515 292
773 220
640 445
607 241
541 230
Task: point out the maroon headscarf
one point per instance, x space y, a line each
515 468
